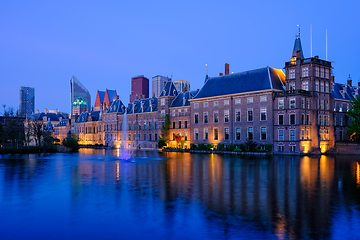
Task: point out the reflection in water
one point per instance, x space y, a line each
185 196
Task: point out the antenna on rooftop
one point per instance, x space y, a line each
299 31
311 40
206 69
326 47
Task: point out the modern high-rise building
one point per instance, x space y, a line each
182 86
139 87
80 97
158 83
26 101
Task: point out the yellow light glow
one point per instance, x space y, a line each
358 173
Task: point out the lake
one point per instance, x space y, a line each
94 195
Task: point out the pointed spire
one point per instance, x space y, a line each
207 75
297 45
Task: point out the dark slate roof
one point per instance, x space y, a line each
102 95
52 116
169 90
348 92
249 81
116 106
62 123
87 117
179 100
95 115
49 126
297 47
82 118
112 95
135 106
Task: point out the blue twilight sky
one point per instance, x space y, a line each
105 43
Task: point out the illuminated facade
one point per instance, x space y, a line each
80 97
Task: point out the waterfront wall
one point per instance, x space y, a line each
347 148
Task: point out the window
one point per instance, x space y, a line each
263 114
307 119
216 117
185 124
292 135
316 71
173 113
250 133
307 134
302 119
263 99
281 148
281 119
205 117
292 86
156 125
340 121
305 72
129 137
227 134
263 133
292 119
196 115
326 87
196 105
144 125
216 134
250 115
302 103
226 102
281 135
163 102
302 134
321 104
179 123
226 116
206 134
216 104
316 86
120 126
340 107
341 135
173 125
186 137
281 103
162 113
156 137
206 105
327 73
305 85
150 125
129 126
326 120
326 103
324 134
321 86
139 126
144 136
250 100
321 72
237 134
179 112
237 115
292 103
237 101
185 112
196 134
292 148
308 103
292 73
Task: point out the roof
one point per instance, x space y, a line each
112 95
169 90
343 92
101 95
142 106
62 123
182 99
49 126
297 47
53 116
116 106
255 80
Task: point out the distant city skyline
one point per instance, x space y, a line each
45 43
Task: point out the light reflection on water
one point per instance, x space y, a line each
178 196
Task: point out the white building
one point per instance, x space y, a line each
158 83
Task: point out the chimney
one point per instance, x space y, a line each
37 111
316 57
221 74
117 97
349 82
226 69
56 111
359 84
332 79
298 54
45 110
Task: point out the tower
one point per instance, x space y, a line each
139 87
26 101
80 97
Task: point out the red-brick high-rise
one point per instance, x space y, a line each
139 88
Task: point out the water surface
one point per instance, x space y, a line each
93 195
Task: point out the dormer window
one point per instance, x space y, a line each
174 92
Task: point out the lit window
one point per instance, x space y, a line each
226 102
216 133
237 101
250 100
305 72
263 99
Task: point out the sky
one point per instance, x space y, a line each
106 43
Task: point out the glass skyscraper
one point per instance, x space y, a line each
26 101
80 97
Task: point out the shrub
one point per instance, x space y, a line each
202 146
251 145
243 147
162 143
193 146
232 147
210 146
220 147
72 143
237 150
268 147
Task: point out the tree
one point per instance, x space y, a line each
36 129
12 131
178 138
354 114
164 139
71 142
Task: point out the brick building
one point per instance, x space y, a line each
139 88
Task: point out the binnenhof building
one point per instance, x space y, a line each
295 112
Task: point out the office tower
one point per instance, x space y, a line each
158 83
80 97
182 86
26 101
139 87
